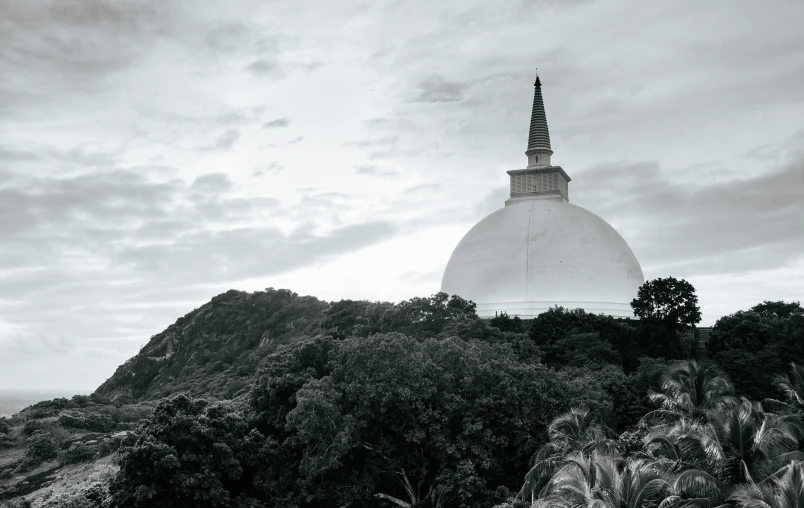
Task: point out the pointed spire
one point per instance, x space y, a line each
539 150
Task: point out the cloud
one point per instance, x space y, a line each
437 89
264 169
226 140
373 142
297 139
734 225
265 67
126 249
278 123
374 170
212 183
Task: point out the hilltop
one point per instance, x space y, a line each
215 350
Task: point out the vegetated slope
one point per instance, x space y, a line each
215 350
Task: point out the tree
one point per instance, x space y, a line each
752 348
506 323
755 444
738 444
779 308
692 390
551 328
667 309
602 480
792 386
434 422
669 301
784 490
576 432
189 454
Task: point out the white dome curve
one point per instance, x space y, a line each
535 254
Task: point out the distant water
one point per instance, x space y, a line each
12 401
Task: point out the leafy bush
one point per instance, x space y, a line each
41 446
110 445
191 453
19 502
72 420
78 452
7 441
91 497
32 426
97 422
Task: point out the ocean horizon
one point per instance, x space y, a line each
13 400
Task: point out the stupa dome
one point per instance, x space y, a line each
535 254
540 251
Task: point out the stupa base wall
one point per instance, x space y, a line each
529 310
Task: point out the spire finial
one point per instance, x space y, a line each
539 150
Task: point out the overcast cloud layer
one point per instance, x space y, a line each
154 154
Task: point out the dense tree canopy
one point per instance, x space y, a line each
421 404
668 301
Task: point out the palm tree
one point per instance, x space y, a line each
755 444
690 390
785 489
738 444
688 445
599 480
576 431
697 488
792 385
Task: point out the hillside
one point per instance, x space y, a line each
275 399
215 350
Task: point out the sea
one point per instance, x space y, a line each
12 401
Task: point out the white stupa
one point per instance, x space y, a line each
539 251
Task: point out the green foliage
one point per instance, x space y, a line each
755 347
693 391
18 503
749 331
778 309
7 441
4 425
417 317
792 386
668 309
191 453
701 448
32 426
668 301
557 329
94 496
422 404
454 417
78 452
39 447
95 422
505 323
236 329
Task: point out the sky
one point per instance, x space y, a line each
156 153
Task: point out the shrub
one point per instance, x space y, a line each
72 420
19 502
99 422
78 452
6 441
109 446
32 426
134 412
42 446
4 426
